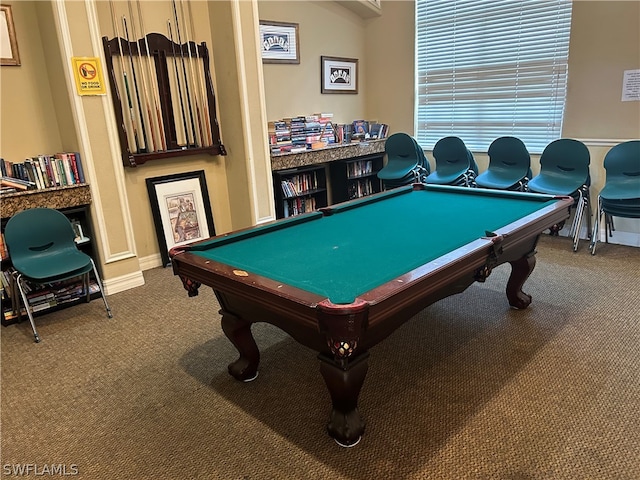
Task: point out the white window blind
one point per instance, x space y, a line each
490 68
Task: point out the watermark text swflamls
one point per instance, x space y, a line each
39 469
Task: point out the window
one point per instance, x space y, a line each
485 69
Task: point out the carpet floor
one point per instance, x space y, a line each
468 389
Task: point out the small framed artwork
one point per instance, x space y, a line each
338 75
181 210
8 43
279 42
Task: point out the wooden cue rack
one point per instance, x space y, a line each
162 101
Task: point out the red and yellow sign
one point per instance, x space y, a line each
88 74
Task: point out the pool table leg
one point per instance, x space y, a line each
238 331
520 271
344 385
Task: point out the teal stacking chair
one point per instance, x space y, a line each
620 196
509 165
42 250
406 162
564 170
455 164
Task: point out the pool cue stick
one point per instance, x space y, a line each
201 83
145 93
193 73
135 85
152 80
184 74
124 74
175 66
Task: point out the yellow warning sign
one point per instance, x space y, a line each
88 74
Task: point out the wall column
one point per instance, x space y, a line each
238 67
93 133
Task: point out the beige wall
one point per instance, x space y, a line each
605 41
28 119
390 66
40 110
325 28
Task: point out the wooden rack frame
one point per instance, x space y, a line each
162 51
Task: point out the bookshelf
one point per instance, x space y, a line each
73 201
336 161
355 178
300 190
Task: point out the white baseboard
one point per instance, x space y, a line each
132 280
630 239
149 262
125 282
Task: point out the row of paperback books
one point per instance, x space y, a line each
361 188
359 168
42 171
299 205
299 184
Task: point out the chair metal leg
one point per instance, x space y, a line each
104 297
576 217
577 224
595 234
587 199
27 307
611 225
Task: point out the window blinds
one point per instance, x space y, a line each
486 69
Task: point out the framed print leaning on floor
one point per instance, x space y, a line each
181 210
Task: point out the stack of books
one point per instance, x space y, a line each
298 134
11 185
46 296
280 136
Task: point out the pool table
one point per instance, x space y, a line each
341 279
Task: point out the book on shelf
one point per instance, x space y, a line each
4 252
83 179
360 127
375 130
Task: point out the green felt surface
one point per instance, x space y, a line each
354 250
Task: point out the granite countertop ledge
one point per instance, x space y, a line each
284 161
55 197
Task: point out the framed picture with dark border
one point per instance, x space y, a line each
279 42
338 75
181 210
8 42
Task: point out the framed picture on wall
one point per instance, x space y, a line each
9 54
279 42
338 75
181 210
